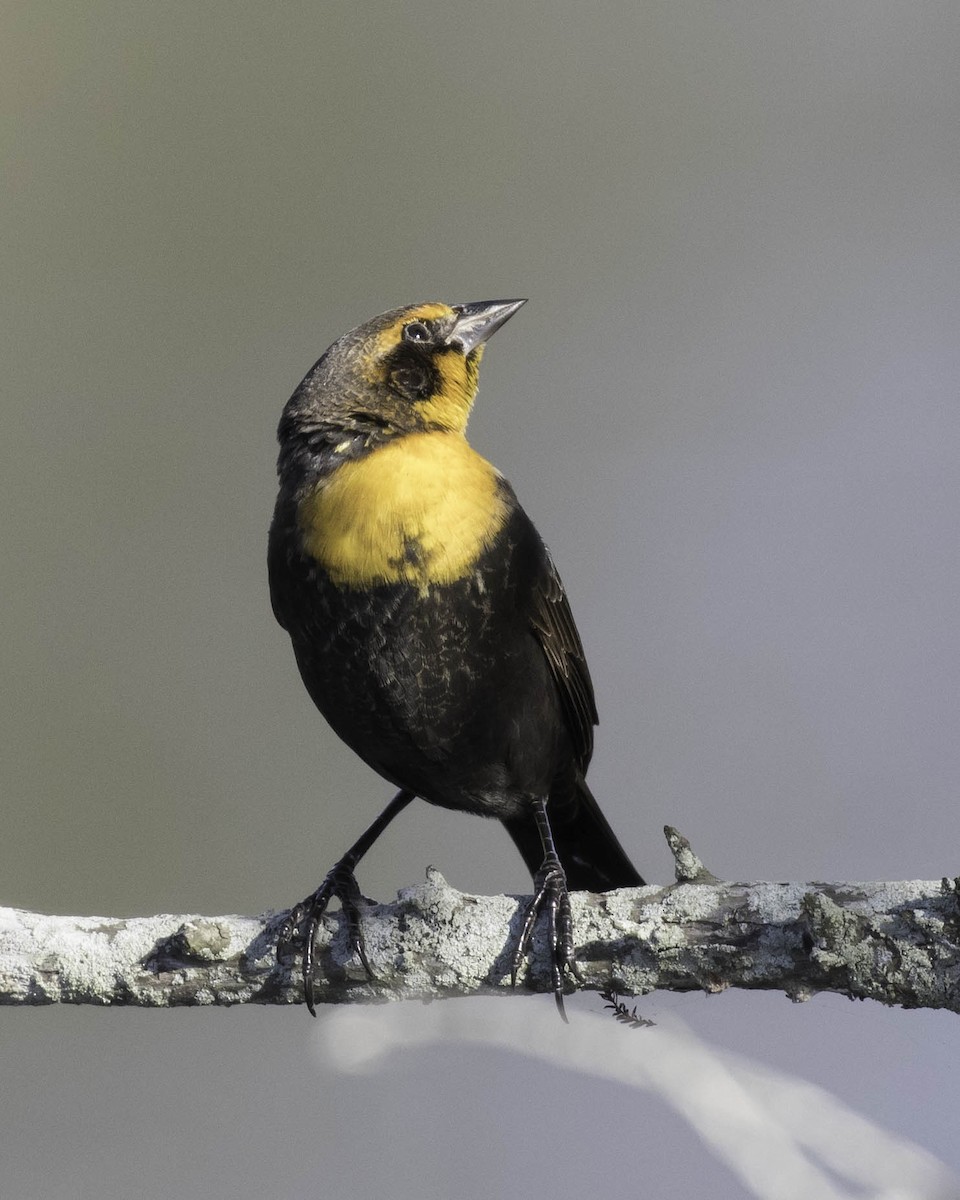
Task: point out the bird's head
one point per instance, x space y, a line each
413 369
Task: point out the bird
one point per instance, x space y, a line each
428 621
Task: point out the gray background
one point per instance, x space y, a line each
731 406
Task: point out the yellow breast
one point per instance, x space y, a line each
420 509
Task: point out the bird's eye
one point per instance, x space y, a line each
416 331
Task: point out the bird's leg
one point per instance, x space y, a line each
550 893
340 883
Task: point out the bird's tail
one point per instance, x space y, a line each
591 856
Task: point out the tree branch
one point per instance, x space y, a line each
898 943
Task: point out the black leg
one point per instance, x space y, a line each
550 893
342 884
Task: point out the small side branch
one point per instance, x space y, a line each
898 943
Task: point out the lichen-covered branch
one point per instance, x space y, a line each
898 943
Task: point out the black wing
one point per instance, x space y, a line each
556 632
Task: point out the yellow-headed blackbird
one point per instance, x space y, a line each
428 621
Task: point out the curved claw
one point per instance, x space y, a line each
305 917
551 895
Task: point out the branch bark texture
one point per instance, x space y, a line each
898 943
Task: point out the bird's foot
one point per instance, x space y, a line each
550 894
304 920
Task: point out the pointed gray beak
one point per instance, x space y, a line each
479 321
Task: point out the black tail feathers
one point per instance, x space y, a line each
591 856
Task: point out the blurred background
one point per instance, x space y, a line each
731 407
